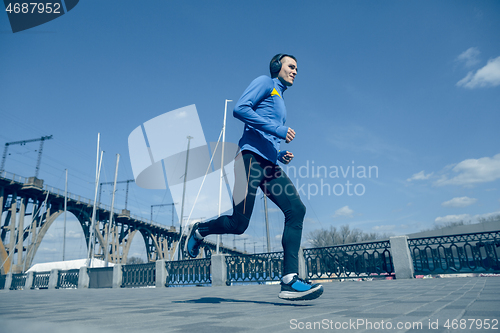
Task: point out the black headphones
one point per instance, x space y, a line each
275 65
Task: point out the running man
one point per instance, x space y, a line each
262 109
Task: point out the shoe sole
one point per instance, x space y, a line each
302 296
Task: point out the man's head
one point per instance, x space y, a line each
284 67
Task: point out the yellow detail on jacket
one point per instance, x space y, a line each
274 92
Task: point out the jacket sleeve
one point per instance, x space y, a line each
259 89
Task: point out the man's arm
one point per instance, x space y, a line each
259 89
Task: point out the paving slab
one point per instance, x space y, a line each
416 305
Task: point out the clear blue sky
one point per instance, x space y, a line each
409 87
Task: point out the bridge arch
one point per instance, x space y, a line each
82 217
152 246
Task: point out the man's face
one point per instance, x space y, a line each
288 71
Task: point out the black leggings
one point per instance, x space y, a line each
258 172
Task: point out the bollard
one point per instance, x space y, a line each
218 269
54 279
117 276
8 281
29 281
83 278
401 257
161 274
302 264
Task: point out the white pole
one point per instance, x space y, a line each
111 213
65 209
90 254
222 167
179 250
267 225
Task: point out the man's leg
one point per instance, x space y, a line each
282 192
247 181
248 177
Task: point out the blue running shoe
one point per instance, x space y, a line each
300 290
192 245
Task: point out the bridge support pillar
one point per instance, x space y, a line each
161 273
401 257
83 278
53 279
117 276
219 270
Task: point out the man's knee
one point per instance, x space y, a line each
240 224
299 210
294 217
240 229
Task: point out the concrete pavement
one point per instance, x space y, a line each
417 305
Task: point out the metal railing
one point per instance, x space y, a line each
464 253
41 280
262 267
13 177
77 198
18 281
68 279
189 272
362 260
141 275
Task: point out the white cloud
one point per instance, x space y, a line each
473 171
463 217
343 212
488 76
420 176
459 202
470 57
384 228
453 218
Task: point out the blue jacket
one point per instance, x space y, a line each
262 109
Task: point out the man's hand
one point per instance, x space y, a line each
286 158
290 135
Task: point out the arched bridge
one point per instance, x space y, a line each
28 209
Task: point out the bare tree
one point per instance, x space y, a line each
493 218
134 261
345 235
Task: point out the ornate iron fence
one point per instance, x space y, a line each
362 260
18 281
140 275
41 280
260 267
465 253
189 272
68 279
2 281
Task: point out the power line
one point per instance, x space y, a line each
22 143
